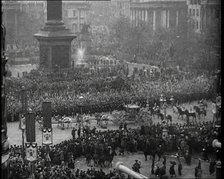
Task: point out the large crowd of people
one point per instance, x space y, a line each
85 91
80 89
99 148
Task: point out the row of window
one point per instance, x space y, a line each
75 13
196 25
75 27
194 12
195 1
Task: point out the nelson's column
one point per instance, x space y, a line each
55 39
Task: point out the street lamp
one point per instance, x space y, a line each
81 98
162 101
163 107
172 101
24 101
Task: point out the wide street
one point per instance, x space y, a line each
59 135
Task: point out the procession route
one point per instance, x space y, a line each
59 135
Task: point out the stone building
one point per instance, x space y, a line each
10 18
194 15
16 17
204 14
159 14
211 14
122 7
75 14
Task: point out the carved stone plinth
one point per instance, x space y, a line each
55 39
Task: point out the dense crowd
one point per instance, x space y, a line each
80 89
99 148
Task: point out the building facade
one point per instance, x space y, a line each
22 19
159 14
75 14
122 7
211 14
10 17
194 15
204 14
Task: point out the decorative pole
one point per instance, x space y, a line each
22 125
81 98
163 106
47 137
31 145
217 145
172 101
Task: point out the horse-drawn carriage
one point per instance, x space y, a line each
62 121
197 111
132 113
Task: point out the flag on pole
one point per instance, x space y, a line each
47 136
31 152
30 127
47 114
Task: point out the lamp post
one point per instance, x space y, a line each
81 98
22 127
22 118
163 106
162 101
172 101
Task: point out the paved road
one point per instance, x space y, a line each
128 159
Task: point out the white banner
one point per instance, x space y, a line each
47 136
31 152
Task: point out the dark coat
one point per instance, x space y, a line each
172 171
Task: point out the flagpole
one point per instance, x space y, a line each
23 153
32 176
31 145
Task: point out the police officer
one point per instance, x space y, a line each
73 133
198 170
172 171
136 167
179 166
